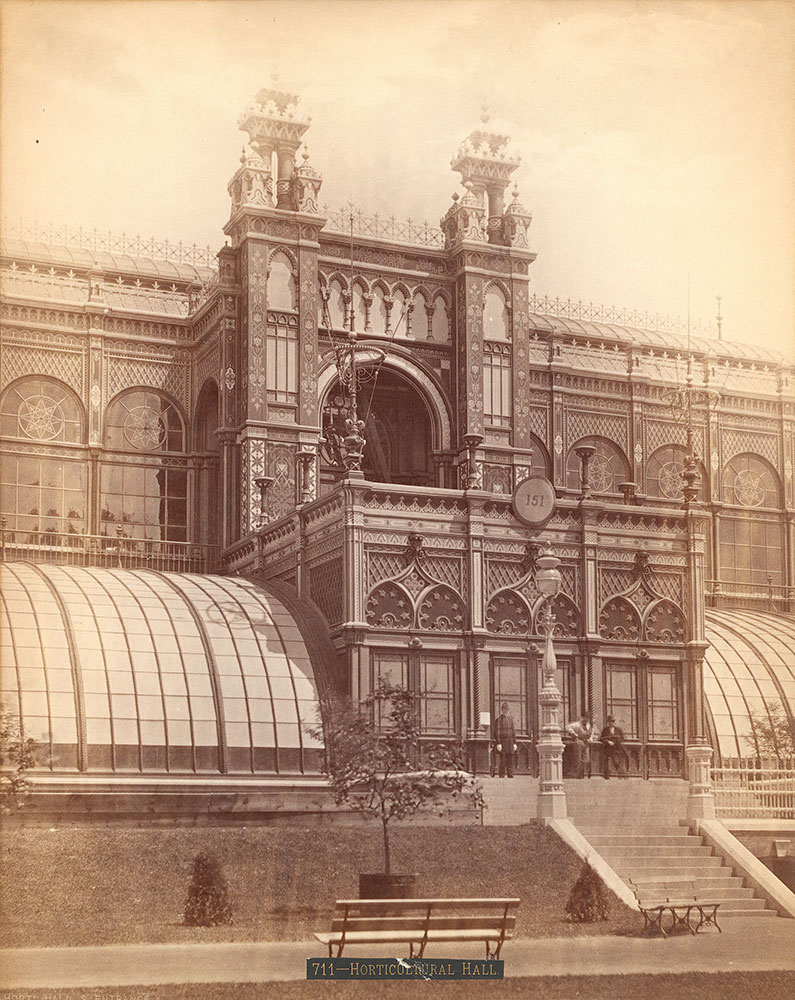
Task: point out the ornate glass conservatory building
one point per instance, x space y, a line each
197 546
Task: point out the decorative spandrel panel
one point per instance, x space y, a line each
281 497
133 365
441 610
326 588
63 358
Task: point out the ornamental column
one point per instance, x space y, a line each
701 799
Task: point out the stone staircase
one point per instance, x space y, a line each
634 825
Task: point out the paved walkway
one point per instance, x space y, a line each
747 945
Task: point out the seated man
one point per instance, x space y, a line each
580 732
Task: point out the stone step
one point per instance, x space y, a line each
607 840
641 850
668 870
724 912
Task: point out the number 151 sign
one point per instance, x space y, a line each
534 500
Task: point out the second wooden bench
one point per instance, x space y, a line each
677 896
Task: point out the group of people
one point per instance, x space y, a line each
578 735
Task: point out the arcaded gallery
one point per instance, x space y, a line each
333 451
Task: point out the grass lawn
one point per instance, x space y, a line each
693 986
102 885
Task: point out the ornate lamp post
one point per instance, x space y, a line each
551 797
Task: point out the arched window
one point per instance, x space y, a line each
281 282
419 318
378 311
143 420
208 496
146 498
398 320
41 409
207 418
440 325
664 474
748 481
607 468
495 315
359 311
336 306
42 495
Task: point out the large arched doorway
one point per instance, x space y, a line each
398 429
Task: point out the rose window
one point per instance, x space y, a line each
144 428
670 478
40 417
600 474
749 488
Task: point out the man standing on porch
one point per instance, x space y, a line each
505 739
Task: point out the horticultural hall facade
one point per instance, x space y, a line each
335 452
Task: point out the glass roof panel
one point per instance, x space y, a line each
133 648
749 668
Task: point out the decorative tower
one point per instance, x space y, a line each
271 355
489 259
486 169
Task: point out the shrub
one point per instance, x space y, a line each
16 758
207 903
589 900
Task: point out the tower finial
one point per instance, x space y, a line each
719 319
485 114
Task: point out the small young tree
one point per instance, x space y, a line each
207 903
373 760
589 900
17 756
772 734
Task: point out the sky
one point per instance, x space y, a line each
657 139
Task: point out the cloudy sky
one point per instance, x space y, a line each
656 138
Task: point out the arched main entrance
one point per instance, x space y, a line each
399 430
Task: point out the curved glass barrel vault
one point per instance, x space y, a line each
139 671
749 670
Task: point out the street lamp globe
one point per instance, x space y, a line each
547 575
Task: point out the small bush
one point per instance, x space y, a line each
589 900
207 903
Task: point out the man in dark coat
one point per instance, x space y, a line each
612 740
505 741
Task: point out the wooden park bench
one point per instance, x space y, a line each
416 922
677 896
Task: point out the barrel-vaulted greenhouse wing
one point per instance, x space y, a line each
136 670
749 672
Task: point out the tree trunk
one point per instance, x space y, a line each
387 859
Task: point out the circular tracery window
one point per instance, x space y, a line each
670 479
749 488
600 474
144 428
40 417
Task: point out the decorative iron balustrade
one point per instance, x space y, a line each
67 549
751 596
755 789
380 227
108 242
594 312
